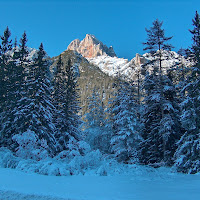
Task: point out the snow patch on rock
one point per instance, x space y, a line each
114 66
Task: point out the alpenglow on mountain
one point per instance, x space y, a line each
91 47
106 60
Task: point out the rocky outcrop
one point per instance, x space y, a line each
91 47
74 45
139 60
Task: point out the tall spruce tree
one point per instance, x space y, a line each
17 67
157 42
65 97
72 104
35 108
187 154
22 52
160 116
195 49
125 123
6 74
5 47
59 100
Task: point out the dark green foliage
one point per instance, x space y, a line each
156 39
22 53
72 105
160 116
15 44
35 109
124 122
161 122
16 73
187 155
65 101
59 100
195 49
13 86
157 42
6 45
6 83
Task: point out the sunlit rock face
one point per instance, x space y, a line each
91 47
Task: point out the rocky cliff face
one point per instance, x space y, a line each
91 47
139 60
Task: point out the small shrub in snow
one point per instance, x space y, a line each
7 159
84 147
49 168
102 171
74 149
92 163
89 161
29 147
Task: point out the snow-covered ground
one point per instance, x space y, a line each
145 184
9 195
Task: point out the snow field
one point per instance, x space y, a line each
158 184
94 178
8 195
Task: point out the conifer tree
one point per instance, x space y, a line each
16 91
59 100
35 108
6 45
72 104
6 73
161 131
22 52
157 42
195 49
65 100
187 154
125 123
4 69
160 116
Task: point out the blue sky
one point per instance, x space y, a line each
118 23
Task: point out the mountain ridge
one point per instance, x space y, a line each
106 60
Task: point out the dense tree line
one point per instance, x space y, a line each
156 122
33 104
153 122
170 117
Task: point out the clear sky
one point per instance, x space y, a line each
120 23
